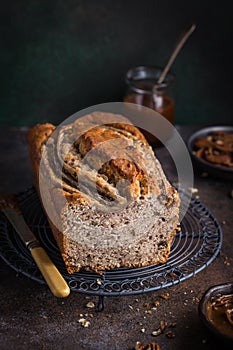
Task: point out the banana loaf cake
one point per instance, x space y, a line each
106 197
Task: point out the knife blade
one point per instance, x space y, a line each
54 279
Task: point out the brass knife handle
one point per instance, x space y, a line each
54 279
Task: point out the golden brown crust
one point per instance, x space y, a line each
36 137
117 168
131 129
93 137
114 170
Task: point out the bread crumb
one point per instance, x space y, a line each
90 304
150 346
226 261
138 346
84 322
156 332
165 296
172 325
170 335
196 299
193 190
148 312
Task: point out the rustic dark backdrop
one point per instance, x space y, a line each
58 57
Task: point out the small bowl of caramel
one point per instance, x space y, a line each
211 149
216 310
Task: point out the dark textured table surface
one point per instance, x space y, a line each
32 318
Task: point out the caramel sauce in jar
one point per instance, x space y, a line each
143 89
164 105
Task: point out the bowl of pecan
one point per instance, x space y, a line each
216 310
211 149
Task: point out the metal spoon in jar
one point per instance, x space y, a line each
175 52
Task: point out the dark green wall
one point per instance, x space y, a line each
58 57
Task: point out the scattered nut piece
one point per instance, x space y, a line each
90 304
131 307
143 330
148 312
156 303
226 261
138 346
163 325
172 325
193 190
165 296
150 346
161 329
156 332
146 304
84 322
98 281
170 334
215 148
219 142
196 299
231 194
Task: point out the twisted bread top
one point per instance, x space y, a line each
101 154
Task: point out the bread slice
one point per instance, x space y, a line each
105 194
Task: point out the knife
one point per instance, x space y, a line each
54 279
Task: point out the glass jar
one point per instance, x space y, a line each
143 89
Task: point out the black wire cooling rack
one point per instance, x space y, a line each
193 249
